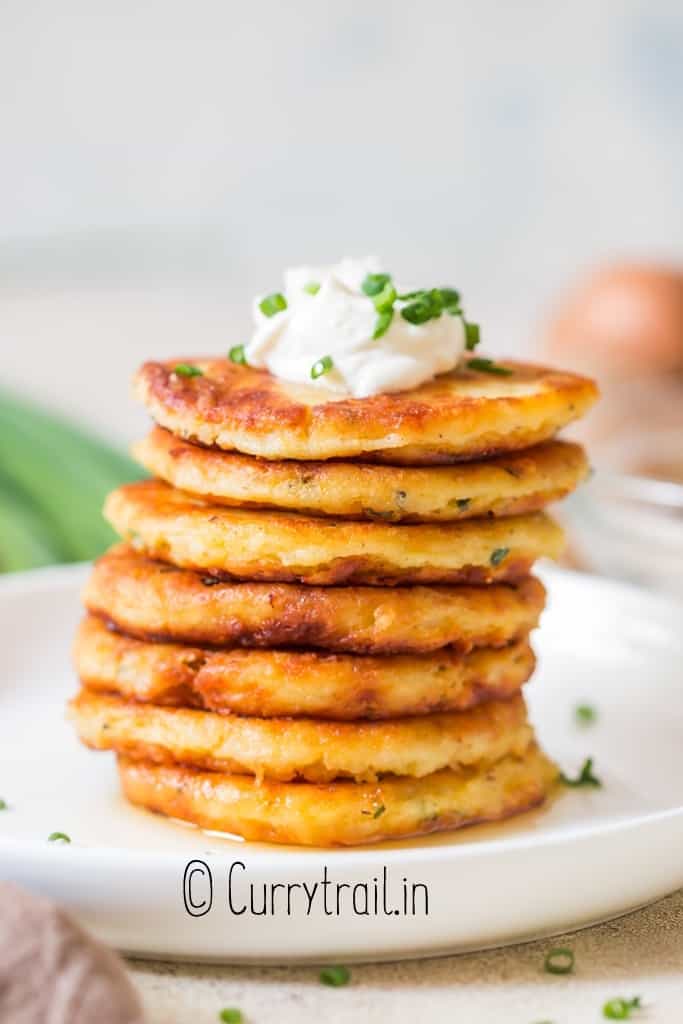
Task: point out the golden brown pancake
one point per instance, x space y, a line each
340 813
153 601
302 748
459 415
512 484
284 546
283 682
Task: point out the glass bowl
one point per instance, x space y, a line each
628 527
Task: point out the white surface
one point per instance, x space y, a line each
591 855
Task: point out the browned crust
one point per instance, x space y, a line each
462 414
296 683
288 547
153 601
305 748
517 483
339 813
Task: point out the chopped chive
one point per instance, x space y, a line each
374 283
3 805
419 311
210 581
273 304
559 961
472 336
382 323
384 300
58 837
230 1015
335 976
237 355
585 714
322 367
461 503
585 776
379 811
451 300
621 1009
313 287
488 366
498 555
187 370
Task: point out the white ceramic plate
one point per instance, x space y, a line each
591 855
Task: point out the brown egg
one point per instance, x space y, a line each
620 321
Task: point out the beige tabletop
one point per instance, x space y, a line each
638 955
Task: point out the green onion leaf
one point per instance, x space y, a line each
559 961
374 283
382 323
488 366
621 1009
335 976
273 304
585 714
3 805
472 337
313 287
585 776
58 837
322 366
238 355
379 811
187 370
498 555
230 1015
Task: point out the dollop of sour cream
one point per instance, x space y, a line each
328 317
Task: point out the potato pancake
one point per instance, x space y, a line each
153 601
302 748
340 813
464 414
290 683
285 546
508 485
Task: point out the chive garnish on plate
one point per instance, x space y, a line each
559 960
58 837
585 714
313 287
231 1015
585 776
621 1009
335 976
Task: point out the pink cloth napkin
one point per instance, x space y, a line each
52 972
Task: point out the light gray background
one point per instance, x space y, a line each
161 161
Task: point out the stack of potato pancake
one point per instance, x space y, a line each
316 629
